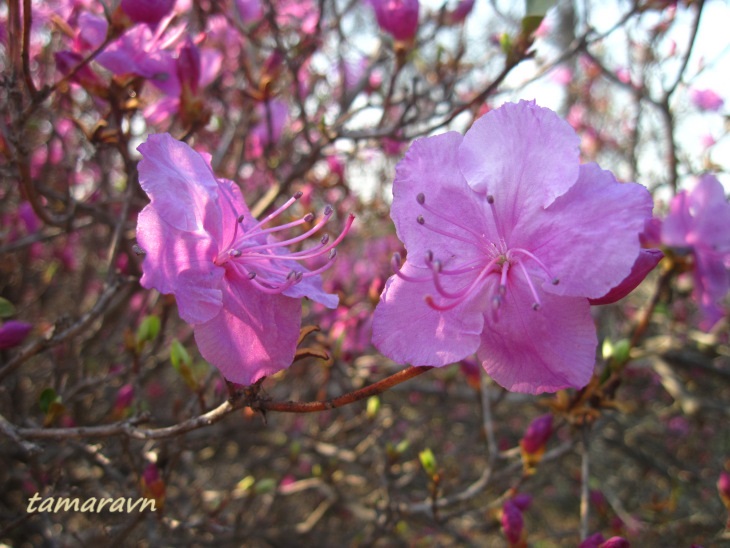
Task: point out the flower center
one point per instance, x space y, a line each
265 262
494 263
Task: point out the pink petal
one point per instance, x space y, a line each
523 155
543 350
402 317
179 182
645 263
254 335
589 237
430 167
180 263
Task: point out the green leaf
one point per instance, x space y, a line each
530 24
178 355
373 406
6 308
266 485
148 330
428 461
47 398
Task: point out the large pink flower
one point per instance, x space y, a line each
238 286
507 239
699 223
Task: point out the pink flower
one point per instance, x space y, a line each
13 333
147 11
706 99
235 284
507 238
723 488
699 223
462 9
397 17
273 117
645 263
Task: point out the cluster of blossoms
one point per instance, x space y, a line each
509 240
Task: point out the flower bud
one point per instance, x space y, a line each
147 11
723 487
537 434
13 333
512 522
397 17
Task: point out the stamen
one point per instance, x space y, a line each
421 221
396 263
553 279
421 199
537 304
460 296
503 278
277 212
303 236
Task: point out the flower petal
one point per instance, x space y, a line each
254 335
543 350
402 318
170 251
179 182
523 155
430 167
645 263
589 237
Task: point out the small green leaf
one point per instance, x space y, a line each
530 23
428 461
178 355
266 485
148 329
373 406
621 351
6 308
47 398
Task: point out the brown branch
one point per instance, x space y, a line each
130 429
351 397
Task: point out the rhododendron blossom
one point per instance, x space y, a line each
508 236
699 223
234 282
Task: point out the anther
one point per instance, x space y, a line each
328 211
234 253
298 194
309 217
240 218
536 306
251 275
324 239
396 261
429 256
420 220
555 281
490 199
421 198
332 254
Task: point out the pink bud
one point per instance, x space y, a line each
512 522
397 17
147 11
723 485
522 501
615 542
594 541
124 398
537 434
13 333
706 99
